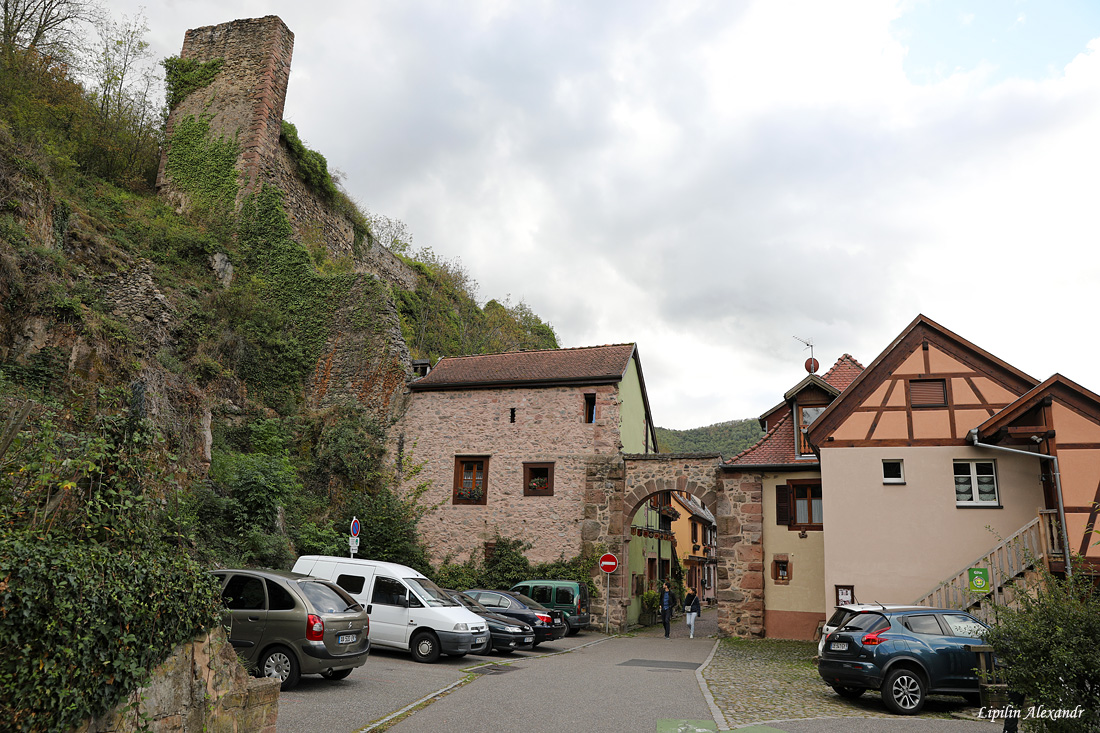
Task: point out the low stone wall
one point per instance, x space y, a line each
201 687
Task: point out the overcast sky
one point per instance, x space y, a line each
712 179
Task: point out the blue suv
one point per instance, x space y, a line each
907 654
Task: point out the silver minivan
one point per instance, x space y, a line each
285 624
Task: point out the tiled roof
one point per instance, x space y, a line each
593 364
844 372
776 448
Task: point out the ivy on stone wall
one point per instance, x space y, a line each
311 165
183 76
204 167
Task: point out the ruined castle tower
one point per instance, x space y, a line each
246 98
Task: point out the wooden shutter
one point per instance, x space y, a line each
928 392
783 506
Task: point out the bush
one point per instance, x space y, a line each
96 584
507 565
1047 646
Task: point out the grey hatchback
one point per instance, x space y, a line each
287 624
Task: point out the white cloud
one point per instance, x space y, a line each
710 179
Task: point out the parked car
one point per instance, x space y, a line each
285 624
548 623
507 634
842 613
567 596
407 610
906 654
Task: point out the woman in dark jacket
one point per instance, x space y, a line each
691 610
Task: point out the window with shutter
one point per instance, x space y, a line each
928 392
782 505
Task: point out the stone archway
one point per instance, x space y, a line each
616 487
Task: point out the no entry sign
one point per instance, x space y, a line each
608 563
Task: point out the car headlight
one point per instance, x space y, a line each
513 629
461 627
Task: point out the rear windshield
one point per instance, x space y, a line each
530 602
328 598
865 622
429 592
837 619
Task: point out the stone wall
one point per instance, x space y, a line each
367 363
616 488
201 687
548 427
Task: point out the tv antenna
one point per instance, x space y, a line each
812 364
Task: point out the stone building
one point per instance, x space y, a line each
508 439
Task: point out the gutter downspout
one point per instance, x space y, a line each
973 437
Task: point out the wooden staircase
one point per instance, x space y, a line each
1012 566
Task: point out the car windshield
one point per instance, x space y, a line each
429 592
328 598
865 622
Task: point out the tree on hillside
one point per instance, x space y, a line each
46 28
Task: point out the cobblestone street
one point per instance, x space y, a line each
762 680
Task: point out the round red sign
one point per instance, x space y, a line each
608 563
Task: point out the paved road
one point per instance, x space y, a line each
388 682
623 684
638 683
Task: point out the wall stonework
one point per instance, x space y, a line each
616 487
200 687
549 427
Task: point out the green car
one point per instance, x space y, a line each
567 596
285 624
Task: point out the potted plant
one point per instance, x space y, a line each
650 602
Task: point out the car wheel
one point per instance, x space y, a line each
903 692
425 647
849 693
571 630
280 663
336 674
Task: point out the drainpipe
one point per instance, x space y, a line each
973 437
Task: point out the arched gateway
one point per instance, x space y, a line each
616 486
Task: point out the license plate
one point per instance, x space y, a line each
528 639
345 639
839 646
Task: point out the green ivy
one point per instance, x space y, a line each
183 76
311 165
203 167
96 585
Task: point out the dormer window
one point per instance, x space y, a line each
806 416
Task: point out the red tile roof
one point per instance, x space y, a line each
589 365
777 447
844 372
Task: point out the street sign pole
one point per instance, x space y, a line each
353 541
608 563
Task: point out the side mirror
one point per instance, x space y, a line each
403 601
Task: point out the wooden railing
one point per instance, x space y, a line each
1050 529
1010 559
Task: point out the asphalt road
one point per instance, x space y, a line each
388 682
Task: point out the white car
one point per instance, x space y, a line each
843 613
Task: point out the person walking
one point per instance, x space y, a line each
668 601
691 610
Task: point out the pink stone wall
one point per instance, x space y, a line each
549 427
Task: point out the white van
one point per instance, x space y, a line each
407 610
